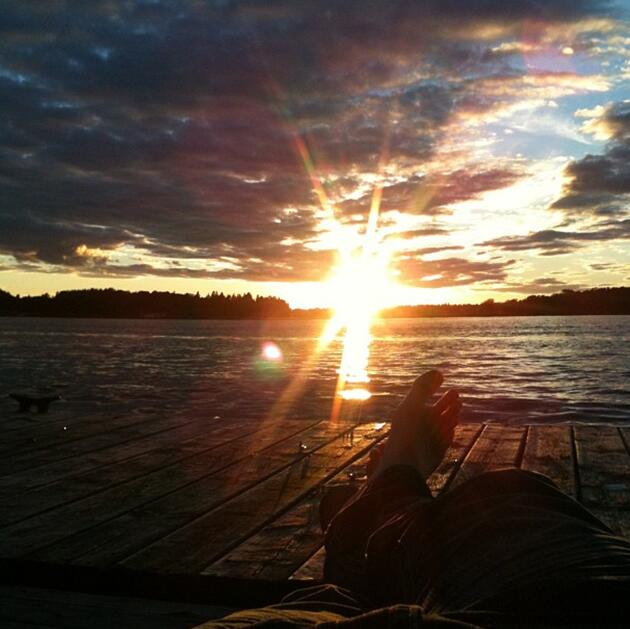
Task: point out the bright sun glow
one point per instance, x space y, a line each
357 290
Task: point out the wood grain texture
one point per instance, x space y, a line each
42 435
549 451
604 474
120 453
497 447
99 436
169 453
242 499
210 477
463 441
200 543
278 550
108 528
312 569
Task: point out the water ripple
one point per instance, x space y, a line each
513 370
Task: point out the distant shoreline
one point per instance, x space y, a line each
315 317
147 306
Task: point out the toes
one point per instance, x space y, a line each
422 389
448 399
450 414
448 421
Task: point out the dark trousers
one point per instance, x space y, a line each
506 545
504 549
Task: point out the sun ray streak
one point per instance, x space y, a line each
358 312
356 287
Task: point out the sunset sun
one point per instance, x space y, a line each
359 287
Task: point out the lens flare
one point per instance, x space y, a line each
270 351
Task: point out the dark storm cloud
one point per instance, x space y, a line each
31 239
552 242
171 126
539 286
283 263
600 183
450 271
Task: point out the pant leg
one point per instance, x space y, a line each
497 533
386 505
513 543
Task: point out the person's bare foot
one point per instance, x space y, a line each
420 434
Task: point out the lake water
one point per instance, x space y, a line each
520 369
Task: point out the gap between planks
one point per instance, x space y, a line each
155 461
199 543
589 462
105 537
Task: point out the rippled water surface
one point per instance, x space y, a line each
517 369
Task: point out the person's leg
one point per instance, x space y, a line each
486 540
419 437
382 508
511 542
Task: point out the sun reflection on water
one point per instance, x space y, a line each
359 290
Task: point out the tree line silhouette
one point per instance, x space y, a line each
111 303
568 302
120 304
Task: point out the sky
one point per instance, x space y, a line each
236 145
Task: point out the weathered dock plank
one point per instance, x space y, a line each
604 474
123 453
198 544
199 479
84 444
218 444
279 549
497 447
464 440
13 422
241 499
42 435
549 451
313 568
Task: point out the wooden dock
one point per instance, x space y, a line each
226 512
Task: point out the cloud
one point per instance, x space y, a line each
450 271
431 195
614 267
539 286
600 184
595 197
551 242
163 137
